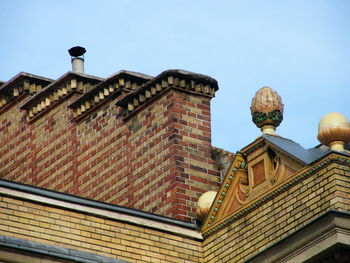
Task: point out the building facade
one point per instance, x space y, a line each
119 169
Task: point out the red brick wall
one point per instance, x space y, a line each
158 160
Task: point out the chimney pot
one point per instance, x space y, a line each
77 58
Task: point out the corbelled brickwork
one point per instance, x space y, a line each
157 158
21 84
282 215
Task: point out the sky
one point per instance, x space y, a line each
300 48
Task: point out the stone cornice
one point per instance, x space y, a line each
179 79
209 228
126 81
22 83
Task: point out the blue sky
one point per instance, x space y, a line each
299 48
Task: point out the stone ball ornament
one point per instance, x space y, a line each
267 110
334 131
204 203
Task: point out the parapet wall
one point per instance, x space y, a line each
151 151
92 230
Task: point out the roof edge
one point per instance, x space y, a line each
94 204
168 73
68 75
136 76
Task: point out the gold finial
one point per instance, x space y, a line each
267 110
334 131
204 203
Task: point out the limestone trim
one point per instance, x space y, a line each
113 215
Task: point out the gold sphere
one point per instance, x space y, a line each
267 109
204 203
334 130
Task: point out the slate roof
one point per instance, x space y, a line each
307 156
296 150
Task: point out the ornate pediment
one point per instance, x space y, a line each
257 169
268 165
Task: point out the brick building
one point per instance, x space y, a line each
111 170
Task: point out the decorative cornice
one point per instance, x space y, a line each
254 146
57 91
22 83
179 79
209 228
140 88
121 81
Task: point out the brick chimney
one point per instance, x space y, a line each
130 140
177 117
